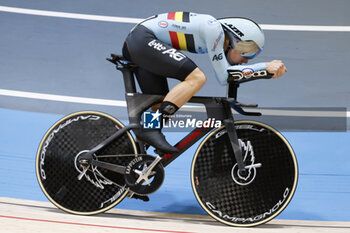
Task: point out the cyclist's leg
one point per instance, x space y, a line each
152 55
157 85
143 48
179 95
183 91
151 83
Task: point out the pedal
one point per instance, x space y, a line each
140 197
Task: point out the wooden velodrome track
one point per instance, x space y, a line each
23 216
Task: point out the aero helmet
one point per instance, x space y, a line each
245 36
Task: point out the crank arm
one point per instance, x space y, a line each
145 174
153 164
112 167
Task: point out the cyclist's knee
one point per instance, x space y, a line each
196 78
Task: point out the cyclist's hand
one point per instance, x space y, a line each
276 67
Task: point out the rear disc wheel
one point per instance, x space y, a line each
58 168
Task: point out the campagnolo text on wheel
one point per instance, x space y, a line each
243 173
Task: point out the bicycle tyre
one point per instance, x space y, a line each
57 168
244 200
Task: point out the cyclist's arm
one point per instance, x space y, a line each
214 37
275 67
249 68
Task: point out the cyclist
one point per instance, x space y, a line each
154 46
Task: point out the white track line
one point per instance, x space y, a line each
120 103
62 98
305 28
70 15
137 20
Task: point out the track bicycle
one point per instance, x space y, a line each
243 173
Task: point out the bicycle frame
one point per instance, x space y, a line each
137 103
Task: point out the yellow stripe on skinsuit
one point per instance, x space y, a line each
182 41
178 16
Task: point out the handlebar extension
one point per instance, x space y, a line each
237 76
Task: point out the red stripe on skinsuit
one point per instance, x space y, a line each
174 40
171 15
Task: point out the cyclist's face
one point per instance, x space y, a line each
235 58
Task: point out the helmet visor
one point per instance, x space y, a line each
247 49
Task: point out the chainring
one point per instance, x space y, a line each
135 167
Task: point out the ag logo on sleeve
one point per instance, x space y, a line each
218 57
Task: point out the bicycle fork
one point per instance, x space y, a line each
232 134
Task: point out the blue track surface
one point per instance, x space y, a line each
322 194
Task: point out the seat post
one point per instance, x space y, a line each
129 80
